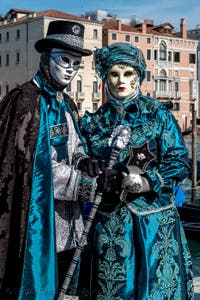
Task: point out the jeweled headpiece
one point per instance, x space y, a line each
108 56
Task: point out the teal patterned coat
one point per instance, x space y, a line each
139 251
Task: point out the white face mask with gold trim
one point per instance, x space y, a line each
123 81
63 66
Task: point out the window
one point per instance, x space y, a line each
192 59
148 54
163 73
169 56
163 51
155 54
170 86
17 58
136 39
148 75
127 38
167 30
7 88
114 36
69 87
7 59
163 81
79 84
95 34
17 34
191 106
95 106
176 106
176 86
163 85
148 40
95 87
7 36
176 56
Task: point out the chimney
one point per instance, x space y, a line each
144 28
183 29
119 25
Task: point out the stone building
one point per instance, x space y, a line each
171 57
171 63
19 61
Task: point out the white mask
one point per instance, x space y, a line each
123 81
63 66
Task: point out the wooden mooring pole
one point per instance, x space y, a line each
194 155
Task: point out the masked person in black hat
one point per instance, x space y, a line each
41 162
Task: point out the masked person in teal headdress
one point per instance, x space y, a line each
41 164
138 247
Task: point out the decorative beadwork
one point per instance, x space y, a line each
59 130
87 187
71 39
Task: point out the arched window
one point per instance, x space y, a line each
163 51
163 81
163 73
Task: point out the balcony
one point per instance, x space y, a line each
193 97
168 94
177 95
96 96
80 96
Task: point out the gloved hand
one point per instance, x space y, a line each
110 181
91 166
135 183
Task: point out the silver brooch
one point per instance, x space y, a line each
76 29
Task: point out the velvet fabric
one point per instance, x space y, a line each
138 250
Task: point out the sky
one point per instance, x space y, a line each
160 11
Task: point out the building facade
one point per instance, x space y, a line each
19 61
195 34
171 57
171 63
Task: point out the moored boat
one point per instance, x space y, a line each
190 217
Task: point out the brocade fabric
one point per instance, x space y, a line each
139 251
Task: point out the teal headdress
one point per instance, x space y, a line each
108 56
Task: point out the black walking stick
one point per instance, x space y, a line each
119 140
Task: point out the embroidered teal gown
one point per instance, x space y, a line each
139 251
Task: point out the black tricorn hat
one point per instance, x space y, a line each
66 35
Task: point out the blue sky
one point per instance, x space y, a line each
159 10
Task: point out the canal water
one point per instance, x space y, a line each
187 186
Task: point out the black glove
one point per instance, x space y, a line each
110 181
91 166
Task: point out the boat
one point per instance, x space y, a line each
190 217
186 132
